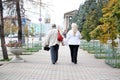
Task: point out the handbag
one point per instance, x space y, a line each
60 38
46 48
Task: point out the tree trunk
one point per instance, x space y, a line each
2 36
19 21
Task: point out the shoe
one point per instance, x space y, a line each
72 61
53 63
75 62
56 61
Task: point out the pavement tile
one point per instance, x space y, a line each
39 67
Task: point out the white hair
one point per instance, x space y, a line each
74 27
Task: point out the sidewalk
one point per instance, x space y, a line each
39 67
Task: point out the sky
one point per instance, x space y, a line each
56 10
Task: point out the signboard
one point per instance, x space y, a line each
47 20
23 21
40 19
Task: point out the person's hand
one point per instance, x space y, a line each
63 44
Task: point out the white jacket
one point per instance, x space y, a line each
73 40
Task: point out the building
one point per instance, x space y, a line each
11 24
68 17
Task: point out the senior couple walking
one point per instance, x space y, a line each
73 37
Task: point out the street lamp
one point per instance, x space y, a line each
40 19
70 21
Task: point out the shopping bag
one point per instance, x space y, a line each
60 38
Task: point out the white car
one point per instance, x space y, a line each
13 35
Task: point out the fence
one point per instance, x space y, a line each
103 51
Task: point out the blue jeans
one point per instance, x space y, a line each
74 52
54 53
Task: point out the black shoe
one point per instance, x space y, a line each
53 63
75 62
72 61
56 61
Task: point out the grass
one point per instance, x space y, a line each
34 48
5 59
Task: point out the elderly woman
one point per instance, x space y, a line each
73 38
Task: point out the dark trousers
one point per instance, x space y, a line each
54 53
74 52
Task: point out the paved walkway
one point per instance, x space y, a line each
39 67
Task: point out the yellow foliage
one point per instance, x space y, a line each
107 14
108 28
104 38
9 28
105 27
112 2
26 30
95 31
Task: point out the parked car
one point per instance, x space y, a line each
13 35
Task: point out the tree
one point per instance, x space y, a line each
9 28
88 17
19 20
2 35
109 27
91 18
90 23
4 50
13 6
16 6
79 17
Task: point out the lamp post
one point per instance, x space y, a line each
70 21
40 19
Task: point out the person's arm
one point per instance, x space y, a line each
80 36
68 35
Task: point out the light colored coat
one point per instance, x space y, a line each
51 37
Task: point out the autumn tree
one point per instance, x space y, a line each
109 28
88 16
10 28
16 7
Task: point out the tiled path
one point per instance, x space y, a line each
38 67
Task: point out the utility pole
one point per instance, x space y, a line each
40 19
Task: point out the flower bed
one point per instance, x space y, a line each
14 44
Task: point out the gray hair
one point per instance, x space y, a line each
53 25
